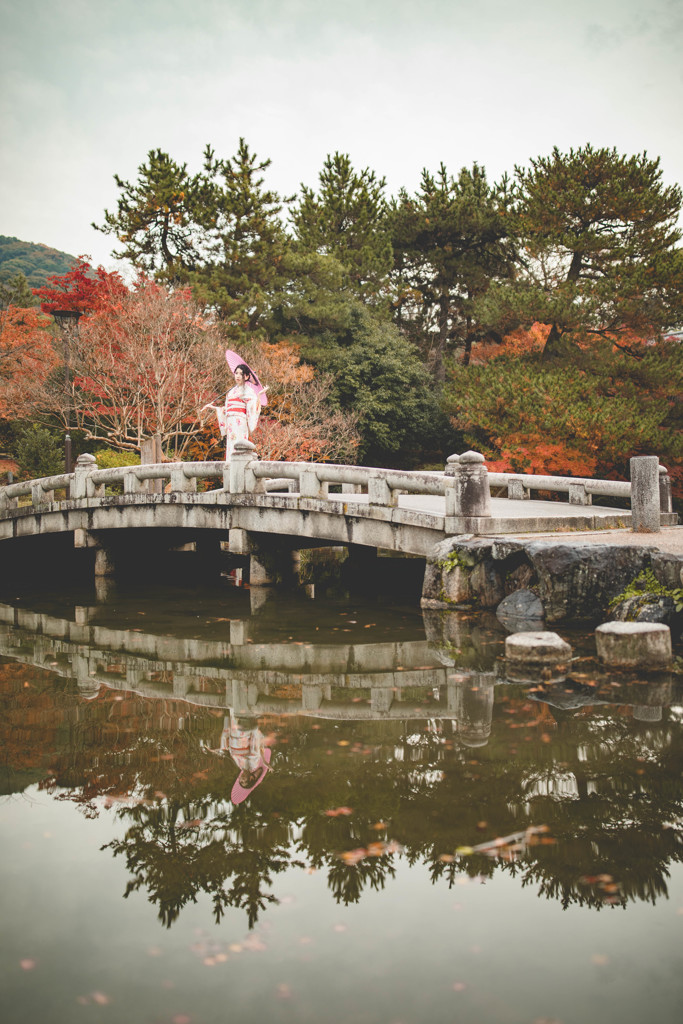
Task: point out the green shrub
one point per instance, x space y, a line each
108 458
39 451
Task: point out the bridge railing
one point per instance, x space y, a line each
465 483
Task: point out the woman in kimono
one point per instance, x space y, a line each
237 419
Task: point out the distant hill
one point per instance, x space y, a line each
36 261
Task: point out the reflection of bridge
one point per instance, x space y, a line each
413 680
306 504
350 681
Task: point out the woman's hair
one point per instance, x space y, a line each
245 370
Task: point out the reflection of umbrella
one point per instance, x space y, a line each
234 360
240 792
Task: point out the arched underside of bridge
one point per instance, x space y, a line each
133 528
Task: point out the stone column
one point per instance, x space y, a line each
645 494
85 465
243 454
471 495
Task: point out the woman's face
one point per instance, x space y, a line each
239 376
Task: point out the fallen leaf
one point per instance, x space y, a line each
27 964
100 998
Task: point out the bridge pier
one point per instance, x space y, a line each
104 561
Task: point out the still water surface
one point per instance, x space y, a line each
424 841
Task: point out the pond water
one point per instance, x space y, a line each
416 838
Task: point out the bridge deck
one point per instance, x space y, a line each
529 516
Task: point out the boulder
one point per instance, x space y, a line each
520 612
645 608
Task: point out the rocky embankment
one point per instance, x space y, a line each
530 583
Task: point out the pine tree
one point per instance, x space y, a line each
450 240
156 217
244 241
347 218
16 291
599 235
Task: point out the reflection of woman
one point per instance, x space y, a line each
245 743
237 419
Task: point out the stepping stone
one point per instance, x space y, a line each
538 648
634 644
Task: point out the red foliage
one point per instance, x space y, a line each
82 289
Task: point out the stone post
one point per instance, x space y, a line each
516 491
471 495
179 481
665 497
451 465
578 494
244 453
85 465
311 486
645 494
380 493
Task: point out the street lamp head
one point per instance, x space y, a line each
63 316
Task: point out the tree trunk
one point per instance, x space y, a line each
558 345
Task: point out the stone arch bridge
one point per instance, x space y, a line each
247 504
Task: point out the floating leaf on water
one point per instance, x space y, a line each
27 964
100 998
464 851
459 986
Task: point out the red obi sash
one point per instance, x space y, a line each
236 407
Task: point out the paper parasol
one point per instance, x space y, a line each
239 792
234 360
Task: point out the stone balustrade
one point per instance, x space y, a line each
465 483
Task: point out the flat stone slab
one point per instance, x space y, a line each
634 644
541 647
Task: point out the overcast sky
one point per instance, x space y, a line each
90 86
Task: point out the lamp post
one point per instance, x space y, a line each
68 322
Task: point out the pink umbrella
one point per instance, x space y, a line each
240 792
235 360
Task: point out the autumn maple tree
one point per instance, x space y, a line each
27 354
142 362
82 289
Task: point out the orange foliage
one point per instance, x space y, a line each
524 453
26 353
516 343
298 424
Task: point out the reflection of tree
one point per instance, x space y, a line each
608 788
177 858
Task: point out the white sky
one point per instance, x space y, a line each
88 87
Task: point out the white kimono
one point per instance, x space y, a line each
239 416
